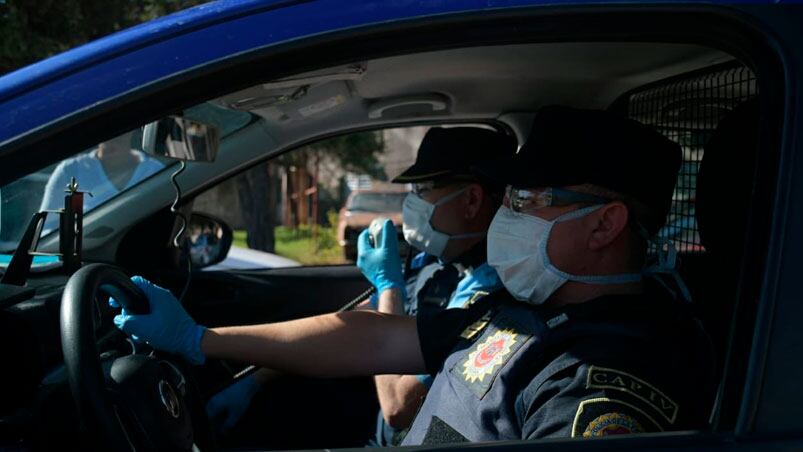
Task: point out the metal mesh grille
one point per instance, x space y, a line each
687 110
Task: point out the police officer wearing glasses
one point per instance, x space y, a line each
447 217
579 345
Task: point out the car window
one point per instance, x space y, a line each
376 202
103 172
308 206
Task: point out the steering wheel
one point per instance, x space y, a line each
136 402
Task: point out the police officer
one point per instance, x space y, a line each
447 216
578 345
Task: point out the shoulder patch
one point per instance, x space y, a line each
605 416
612 424
604 378
500 341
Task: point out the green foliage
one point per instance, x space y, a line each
301 245
357 152
332 218
354 152
34 30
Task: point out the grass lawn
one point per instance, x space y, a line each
299 245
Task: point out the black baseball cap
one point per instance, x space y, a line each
450 152
569 146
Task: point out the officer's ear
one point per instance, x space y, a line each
473 197
608 224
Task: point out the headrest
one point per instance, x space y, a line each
725 180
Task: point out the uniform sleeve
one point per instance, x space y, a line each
482 281
576 399
439 331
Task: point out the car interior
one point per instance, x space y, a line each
704 98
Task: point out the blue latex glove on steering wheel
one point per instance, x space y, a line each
166 327
381 263
227 406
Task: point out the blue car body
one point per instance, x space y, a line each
213 34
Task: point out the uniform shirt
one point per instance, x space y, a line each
433 288
614 365
475 283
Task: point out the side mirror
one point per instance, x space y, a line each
180 138
208 240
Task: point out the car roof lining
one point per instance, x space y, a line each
495 84
482 82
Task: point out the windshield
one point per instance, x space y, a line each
377 202
102 171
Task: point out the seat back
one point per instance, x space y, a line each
724 187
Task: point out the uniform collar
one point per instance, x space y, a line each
473 258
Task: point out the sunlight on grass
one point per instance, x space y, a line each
298 244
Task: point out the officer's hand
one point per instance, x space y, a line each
381 263
166 327
227 406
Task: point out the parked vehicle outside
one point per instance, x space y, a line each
362 207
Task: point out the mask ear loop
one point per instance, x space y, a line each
667 264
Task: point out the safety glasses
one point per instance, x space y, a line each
527 201
420 188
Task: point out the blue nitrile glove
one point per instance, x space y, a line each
166 327
227 406
381 263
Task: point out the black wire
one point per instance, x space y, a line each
357 299
174 209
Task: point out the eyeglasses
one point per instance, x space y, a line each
420 188
528 201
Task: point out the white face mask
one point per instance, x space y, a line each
417 227
517 250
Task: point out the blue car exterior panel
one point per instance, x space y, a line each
88 76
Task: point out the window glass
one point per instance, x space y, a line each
308 206
103 171
376 202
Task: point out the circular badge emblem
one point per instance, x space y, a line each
612 424
487 355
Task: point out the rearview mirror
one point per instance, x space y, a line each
180 138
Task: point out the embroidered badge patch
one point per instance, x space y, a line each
490 353
612 424
485 359
603 416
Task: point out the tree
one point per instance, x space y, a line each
258 187
355 153
34 30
